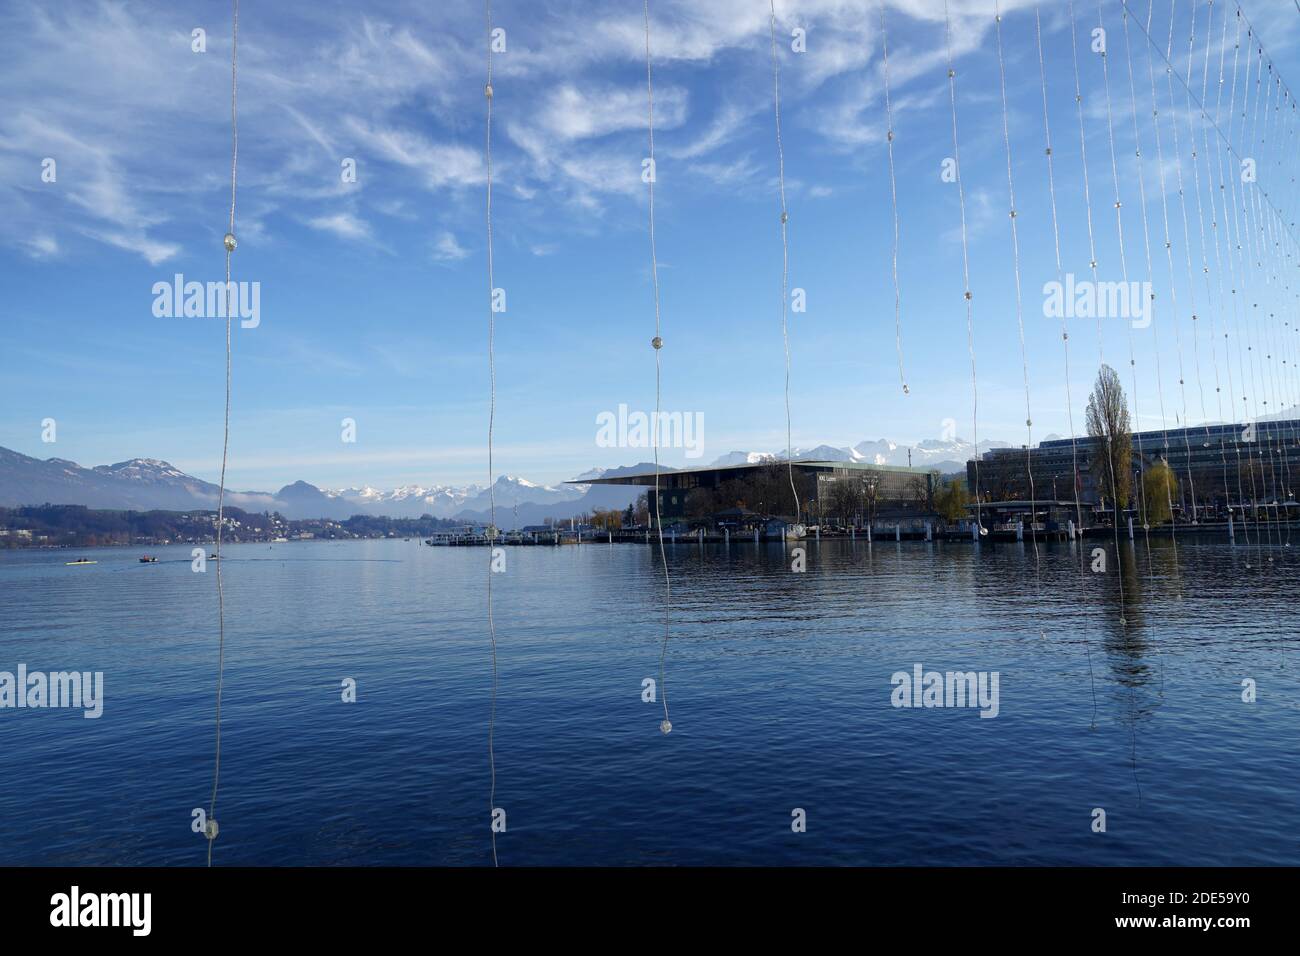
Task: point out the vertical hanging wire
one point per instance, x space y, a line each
1065 334
1259 238
1251 257
1243 278
1187 86
1123 254
1173 291
1281 382
229 243
1253 215
1137 414
1219 213
1191 287
1280 326
1020 316
893 195
492 414
1269 383
1214 223
1281 465
1200 211
1060 272
1187 254
665 725
1146 245
1109 439
1238 280
1155 326
1288 118
1278 342
1169 261
965 261
785 254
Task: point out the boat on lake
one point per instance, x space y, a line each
80 561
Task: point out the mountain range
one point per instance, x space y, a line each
145 484
148 484
945 455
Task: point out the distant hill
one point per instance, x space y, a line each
145 484
148 484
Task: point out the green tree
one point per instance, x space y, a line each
1159 488
951 500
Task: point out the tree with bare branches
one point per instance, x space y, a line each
1108 422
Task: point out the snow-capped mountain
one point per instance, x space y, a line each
946 455
447 501
742 458
577 498
509 491
409 501
144 484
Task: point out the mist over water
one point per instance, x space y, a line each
778 687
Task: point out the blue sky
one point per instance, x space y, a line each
374 293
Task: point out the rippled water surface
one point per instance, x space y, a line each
779 691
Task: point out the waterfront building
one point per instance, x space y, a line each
1216 466
870 491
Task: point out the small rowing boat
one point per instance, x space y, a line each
79 561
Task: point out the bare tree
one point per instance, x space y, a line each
843 498
870 497
1108 422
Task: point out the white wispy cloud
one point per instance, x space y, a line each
342 224
42 247
447 249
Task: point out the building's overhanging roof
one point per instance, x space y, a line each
648 478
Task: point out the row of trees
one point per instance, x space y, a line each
766 491
635 515
848 499
79 526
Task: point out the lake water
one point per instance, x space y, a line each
779 689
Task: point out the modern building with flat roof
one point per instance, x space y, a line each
764 487
1215 465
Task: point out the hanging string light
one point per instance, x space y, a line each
1060 272
1108 446
1015 258
1259 243
210 828
1150 273
665 726
1123 260
1123 264
965 261
1187 256
1168 244
1245 280
893 196
1234 279
1210 299
785 256
492 412
1266 441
